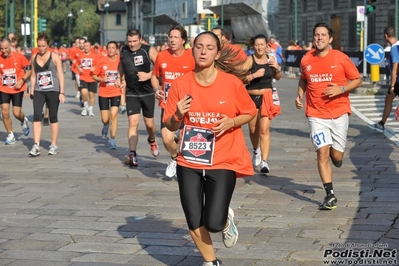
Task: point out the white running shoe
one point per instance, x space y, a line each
112 144
25 126
84 111
230 234
35 151
10 139
77 95
171 168
256 157
264 167
53 150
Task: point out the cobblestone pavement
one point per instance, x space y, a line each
85 207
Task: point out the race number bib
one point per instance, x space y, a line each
45 80
197 145
138 60
111 77
9 80
87 63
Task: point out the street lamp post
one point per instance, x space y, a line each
25 44
106 5
127 14
81 23
69 27
6 19
152 17
12 16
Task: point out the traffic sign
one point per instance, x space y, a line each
374 53
360 14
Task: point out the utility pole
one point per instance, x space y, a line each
6 19
36 13
12 16
365 41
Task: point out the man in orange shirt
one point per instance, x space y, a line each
86 62
327 77
169 65
15 69
73 54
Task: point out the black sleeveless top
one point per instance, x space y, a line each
134 62
262 82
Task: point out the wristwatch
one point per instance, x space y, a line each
277 70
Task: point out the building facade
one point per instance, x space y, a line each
341 15
285 19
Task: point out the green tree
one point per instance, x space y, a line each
56 12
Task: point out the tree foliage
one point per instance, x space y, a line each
86 23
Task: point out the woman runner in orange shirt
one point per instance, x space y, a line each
212 151
109 96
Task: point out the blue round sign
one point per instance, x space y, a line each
374 53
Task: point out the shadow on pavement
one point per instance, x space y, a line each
159 238
376 175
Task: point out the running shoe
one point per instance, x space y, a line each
112 144
122 109
230 234
256 157
154 147
35 151
330 202
212 263
53 150
104 131
171 168
82 104
84 111
10 139
25 126
45 122
377 127
77 95
91 112
131 159
264 167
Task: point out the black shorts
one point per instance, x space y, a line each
135 104
164 125
395 90
90 86
15 98
106 103
257 99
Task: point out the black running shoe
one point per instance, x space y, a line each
330 202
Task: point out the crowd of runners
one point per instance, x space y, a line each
207 89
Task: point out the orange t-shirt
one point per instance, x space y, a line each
73 55
12 69
170 68
63 54
227 95
87 62
335 67
108 68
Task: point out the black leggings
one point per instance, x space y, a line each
205 196
51 98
